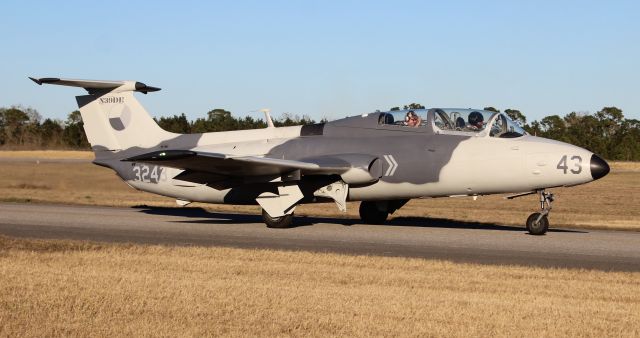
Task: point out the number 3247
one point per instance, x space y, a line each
152 174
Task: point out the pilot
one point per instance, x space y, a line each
476 121
412 119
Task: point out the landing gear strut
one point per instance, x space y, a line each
538 223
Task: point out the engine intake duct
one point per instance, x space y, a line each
353 169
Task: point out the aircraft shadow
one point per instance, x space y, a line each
456 224
206 217
200 213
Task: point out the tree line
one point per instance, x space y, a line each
607 132
222 120
24 128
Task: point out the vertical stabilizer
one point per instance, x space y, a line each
113 118
116 121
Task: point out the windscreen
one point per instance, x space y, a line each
504 127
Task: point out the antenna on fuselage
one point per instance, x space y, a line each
267 117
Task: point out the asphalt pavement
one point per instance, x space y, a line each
407 237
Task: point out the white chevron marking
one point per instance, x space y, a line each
386 158
393 165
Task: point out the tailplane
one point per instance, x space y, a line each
114 119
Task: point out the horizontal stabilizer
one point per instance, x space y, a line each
93 86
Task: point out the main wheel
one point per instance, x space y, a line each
277 222
370 214
537 228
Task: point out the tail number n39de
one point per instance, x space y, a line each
575 161
149 174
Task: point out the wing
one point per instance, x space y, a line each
206 168
232 166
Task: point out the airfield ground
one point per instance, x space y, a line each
73 288
57 177
67 288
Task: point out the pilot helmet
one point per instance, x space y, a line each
475 118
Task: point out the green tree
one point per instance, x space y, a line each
51 134
625 145
491 109
534 128
200 125
250 123
14 122
606 132
175 124
553 127
516 116
292 120
73 135
413 106
221 120
610 120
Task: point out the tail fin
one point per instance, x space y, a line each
113 119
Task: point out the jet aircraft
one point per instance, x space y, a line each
382 159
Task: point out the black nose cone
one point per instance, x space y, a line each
599 168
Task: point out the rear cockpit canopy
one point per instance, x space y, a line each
405 118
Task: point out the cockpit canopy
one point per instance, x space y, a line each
404 118
455 121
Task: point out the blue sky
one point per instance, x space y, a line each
328 58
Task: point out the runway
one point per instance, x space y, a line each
407 237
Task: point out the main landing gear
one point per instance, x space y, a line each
538 223
376 212
281 222
371 214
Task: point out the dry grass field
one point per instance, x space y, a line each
612 202
47 154
65 288
68 288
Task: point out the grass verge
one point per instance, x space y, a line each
54 288
48 154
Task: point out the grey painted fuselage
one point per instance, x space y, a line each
426 164
381 156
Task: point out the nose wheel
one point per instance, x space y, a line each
538 222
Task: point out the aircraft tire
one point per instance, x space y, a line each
277 222
539 228
369 213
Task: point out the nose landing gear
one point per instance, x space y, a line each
538 223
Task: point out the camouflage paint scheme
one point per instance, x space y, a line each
281 167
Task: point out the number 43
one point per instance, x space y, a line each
577 164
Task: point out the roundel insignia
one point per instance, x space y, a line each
120 117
